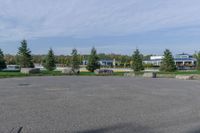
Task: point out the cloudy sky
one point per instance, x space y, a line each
112 26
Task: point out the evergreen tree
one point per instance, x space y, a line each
197 56
2 60
137 64
49 62
168 64
24 57
93 62
75 60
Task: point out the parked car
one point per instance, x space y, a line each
104 72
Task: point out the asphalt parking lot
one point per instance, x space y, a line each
99 105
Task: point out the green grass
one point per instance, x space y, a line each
87 74
58 73
50 73
11 74
18 74
119 73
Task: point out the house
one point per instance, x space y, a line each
182 61
105 62
154 60
185 61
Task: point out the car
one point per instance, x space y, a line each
104 72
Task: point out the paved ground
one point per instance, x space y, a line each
99 105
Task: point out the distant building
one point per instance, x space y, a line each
185 61
106 63
154 60
182 61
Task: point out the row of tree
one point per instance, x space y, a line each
167 64
93 62
25 59
123 61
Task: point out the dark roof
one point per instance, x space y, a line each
185 59
183 54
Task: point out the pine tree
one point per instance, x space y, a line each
137 63
24 57
197 56
49 62
168 64
75 60
2 60
93 62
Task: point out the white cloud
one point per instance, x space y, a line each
88 18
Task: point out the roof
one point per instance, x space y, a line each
185 59
183 54
177 59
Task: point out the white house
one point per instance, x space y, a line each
182 61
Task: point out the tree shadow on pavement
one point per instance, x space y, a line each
197 130
120 128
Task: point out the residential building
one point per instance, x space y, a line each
106 63
182 61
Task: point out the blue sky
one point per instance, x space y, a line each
112 26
